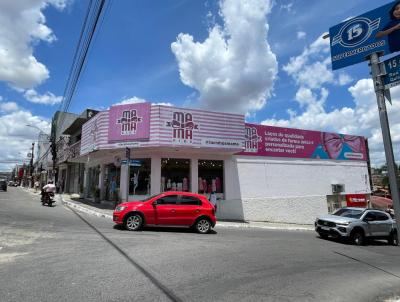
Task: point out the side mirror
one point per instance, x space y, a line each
154 203
368 219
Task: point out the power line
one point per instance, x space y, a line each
88 30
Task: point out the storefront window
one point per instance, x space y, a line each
211 174
175 174
94 173
139 172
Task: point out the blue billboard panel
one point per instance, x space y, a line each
375 31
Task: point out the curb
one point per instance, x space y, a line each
83 209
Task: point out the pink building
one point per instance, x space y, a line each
259 173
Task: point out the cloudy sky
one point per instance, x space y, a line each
262 58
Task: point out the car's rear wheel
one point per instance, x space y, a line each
133 222
393 239
358 238
203 225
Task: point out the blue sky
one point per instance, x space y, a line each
265 59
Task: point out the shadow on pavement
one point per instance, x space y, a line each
163 229
369 242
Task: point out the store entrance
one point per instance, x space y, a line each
139 176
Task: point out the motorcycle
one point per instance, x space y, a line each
48 198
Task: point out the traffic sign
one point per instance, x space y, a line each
375 31
392 68
132 162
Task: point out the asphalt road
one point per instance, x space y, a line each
56 254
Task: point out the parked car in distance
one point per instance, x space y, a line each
358 224
3 184
171 208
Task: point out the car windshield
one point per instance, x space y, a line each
146 199
351 213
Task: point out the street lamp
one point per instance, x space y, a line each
40 130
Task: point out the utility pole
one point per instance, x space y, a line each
377 77
31 164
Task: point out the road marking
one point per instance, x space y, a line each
153 279
366 263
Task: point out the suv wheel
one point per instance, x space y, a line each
203 226
133 222
393 239
358 238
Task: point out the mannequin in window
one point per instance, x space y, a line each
173 188
169 184
135 181
218 184
185 184
213 185
200 185
162 189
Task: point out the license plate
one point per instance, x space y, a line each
325 228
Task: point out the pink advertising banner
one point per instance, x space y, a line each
129 122
295 143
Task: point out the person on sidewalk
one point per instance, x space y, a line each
36 185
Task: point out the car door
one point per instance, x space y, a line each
166 210
372 225
187 209
385 224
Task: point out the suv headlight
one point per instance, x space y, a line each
343 223
119 209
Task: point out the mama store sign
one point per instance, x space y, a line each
183 126
129 122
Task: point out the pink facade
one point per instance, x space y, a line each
168 127
143 125
295 143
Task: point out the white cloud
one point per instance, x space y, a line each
22 24
48 98
301 35
287 6
135 100
8 106
234 69
16 138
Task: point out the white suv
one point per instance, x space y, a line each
358 224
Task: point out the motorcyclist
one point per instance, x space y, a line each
48 189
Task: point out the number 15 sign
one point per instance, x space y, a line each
392 77
375 31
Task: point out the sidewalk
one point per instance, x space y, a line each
105 210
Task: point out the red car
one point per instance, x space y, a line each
171 208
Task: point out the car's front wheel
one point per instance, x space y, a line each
133 222
203 226
358 237
393 239
323 236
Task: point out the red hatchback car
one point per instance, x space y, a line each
171 208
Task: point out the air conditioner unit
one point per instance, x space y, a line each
337 188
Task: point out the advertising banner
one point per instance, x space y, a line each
295 143
129 122
356 200
375 31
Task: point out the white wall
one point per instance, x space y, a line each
294 190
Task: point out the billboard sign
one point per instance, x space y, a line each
129 122
375 31
295 143
392 77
